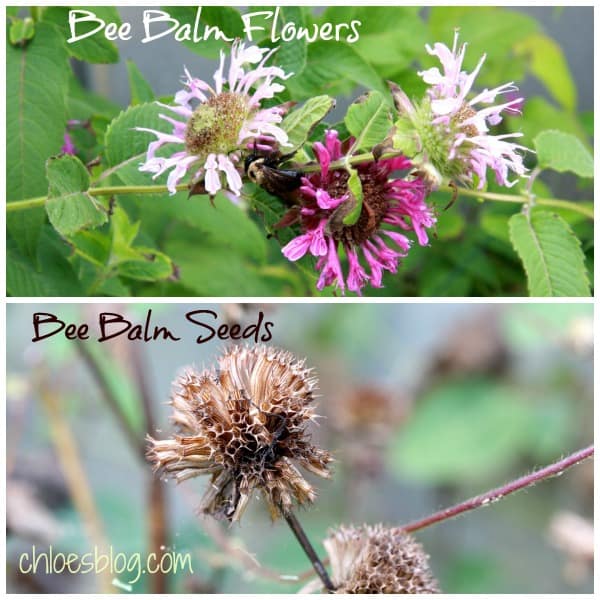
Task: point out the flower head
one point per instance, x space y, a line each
454 128
244 424
378 560
213 125
325 198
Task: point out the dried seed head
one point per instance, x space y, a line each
244 423
378 560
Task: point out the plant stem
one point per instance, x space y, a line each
99 191
566 204
496 494
75 474
136 443
310 168
157 518
303 540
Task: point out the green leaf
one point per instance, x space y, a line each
69 206
538 113
390 36
83 104
53 275
125 146
226 18
148 265
291 55
548 63
368 119
21 31
356 196
36 87
551 255
487 30
562 152
95 48
141 91
300 123
479 427
330 65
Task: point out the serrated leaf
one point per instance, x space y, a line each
69 206
562 152
551 255
124 144
36 87
548 63
368 119
299 123
94 49
140 89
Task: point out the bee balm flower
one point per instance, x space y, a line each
392 202
244 424
377 560
454 131
212 125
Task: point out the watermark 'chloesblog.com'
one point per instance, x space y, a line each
129 567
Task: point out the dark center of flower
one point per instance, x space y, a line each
466 112
215 125
374 206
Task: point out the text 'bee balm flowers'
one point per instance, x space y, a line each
455 132
389 203
214 124
378 560
245 424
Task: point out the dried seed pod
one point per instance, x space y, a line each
378 560
245 425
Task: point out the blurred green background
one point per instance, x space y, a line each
424 405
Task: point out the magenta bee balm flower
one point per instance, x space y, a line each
214 124
452 127
373 244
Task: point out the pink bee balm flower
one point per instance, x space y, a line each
213 125
373 244
455 133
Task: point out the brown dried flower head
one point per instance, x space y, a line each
378 560
244 423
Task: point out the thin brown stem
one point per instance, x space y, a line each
494 495
303 540
156 494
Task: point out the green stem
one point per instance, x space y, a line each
310 168
100 191
566 204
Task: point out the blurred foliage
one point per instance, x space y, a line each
451 430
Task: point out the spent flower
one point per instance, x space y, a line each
244 424
378 560
389 204
214 125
